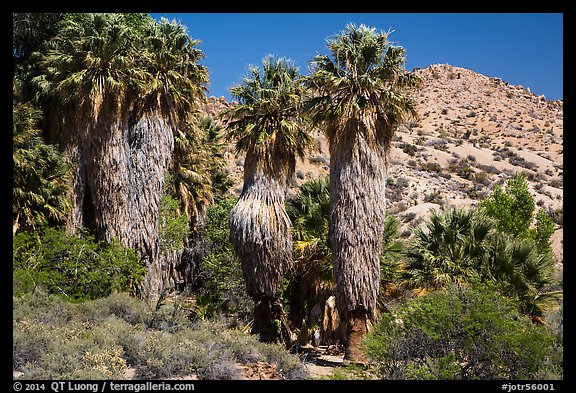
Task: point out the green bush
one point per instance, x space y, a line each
472 333
222 283
76 267
513 208
174 227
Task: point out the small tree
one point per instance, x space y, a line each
512 207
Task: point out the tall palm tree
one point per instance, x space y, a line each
268 127
116 88
360 100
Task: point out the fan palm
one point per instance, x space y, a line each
268 127
41 175
524 272
451 247
311 282
360 99
197 160
458 246
118 87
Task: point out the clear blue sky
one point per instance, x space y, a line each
521 48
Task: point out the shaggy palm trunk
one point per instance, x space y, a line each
357 212
120 167
260 234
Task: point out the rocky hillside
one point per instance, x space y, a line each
474 132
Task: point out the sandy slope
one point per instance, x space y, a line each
497 127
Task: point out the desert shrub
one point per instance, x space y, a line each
74 351
75 266
318 159
461 167
434 197
482 178
438 144
395 188
469 333
409 149
556 183
487 168
121 305
521 161
86 343
557 216
433 167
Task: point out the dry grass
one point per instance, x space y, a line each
114 338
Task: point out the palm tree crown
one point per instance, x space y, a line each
365 75
267 122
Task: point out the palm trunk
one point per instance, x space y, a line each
357 212
120 169
260 234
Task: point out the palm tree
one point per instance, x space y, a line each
41 175
116 88
458 246
198 161
451 247
360 100
268 127
311 283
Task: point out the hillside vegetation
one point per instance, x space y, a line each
408 224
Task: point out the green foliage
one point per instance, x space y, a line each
116 57
309 212
363 78
512 207
472 333
310 281
448 248
76 267
391 260
222 284
457 246
542 231
199 171
40 175
268 120
174 228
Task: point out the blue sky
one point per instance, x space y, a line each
521 48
